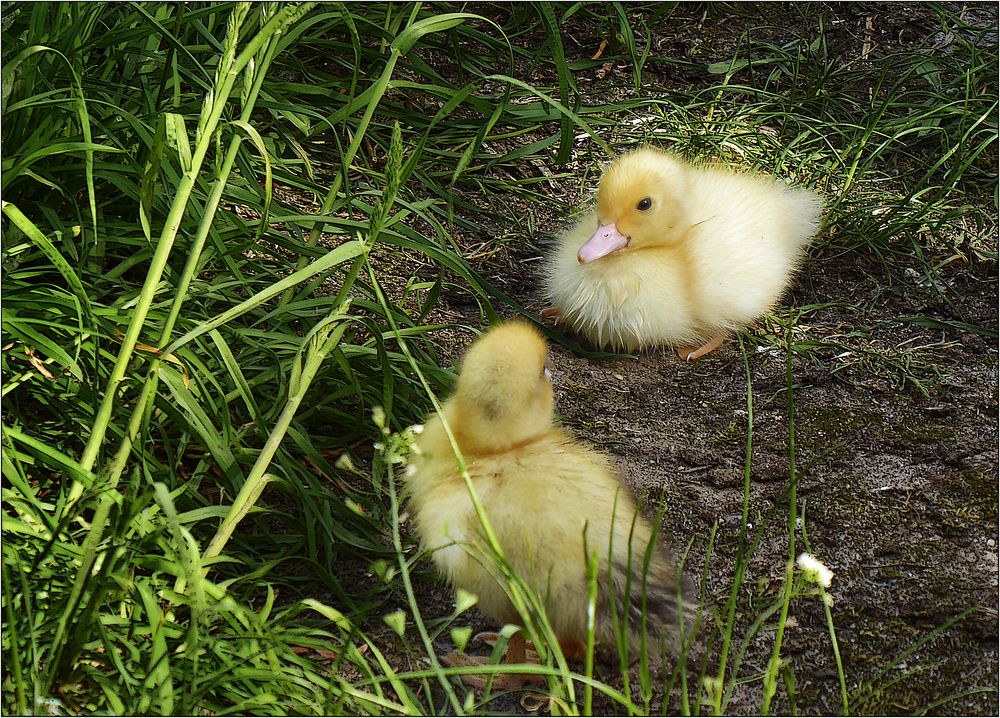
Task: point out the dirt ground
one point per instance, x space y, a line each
899 493
899 489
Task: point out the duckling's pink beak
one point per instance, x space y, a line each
606 240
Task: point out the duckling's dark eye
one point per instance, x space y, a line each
644 204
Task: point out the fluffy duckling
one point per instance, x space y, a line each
549 499
678 255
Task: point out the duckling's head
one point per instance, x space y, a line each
503 397
639 204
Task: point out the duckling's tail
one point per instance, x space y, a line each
803 215
660 599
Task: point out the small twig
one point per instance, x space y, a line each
866 48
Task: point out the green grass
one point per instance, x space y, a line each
212 217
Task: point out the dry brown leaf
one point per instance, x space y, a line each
38 364
600 50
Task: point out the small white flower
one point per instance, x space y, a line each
378 446
814 569
410 470
417 429
51 706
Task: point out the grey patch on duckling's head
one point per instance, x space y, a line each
491 408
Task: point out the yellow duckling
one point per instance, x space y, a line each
678 255
549 499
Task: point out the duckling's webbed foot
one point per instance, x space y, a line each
689 354
573 648
516 653
501 682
